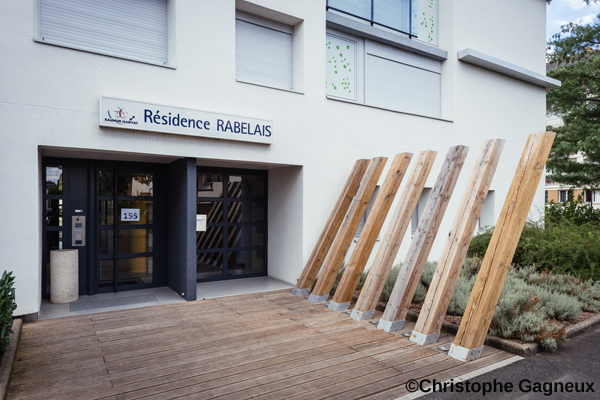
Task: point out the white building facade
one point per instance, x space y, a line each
260 127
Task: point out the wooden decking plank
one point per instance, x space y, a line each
344 381
259 345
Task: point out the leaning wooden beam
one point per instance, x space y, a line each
412 267
496 263
393 237
315 261
368 236
342 242
431 317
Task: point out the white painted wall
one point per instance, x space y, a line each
49 97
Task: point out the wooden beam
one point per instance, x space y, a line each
431 317
342 242
412 267
498 257
365 307
315 261
368 236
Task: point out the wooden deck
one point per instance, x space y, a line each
267 345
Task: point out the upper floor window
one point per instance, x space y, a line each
135 30
264 51
416 18
374 74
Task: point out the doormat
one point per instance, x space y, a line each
114 302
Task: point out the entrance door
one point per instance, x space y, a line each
234 205
126 228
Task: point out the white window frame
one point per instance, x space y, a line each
171 40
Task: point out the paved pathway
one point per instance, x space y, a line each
577 360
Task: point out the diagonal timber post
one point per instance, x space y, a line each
412 267
315 261
368 236
393 237
342 242
498 257
428 326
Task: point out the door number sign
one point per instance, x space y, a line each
130 214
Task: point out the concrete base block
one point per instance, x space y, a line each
390 326
362 315
64 276
423 339
301 292
313 298
463 354
338 306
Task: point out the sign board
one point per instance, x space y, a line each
200 222
130 214
128 114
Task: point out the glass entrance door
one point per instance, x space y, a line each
234 205
126 226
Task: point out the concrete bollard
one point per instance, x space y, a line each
64 276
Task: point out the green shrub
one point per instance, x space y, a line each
420 293
565 248
428 272
520 314
575 211
389 283
7 306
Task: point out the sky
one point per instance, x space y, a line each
561 12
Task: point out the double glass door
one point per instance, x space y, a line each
234 205
125 228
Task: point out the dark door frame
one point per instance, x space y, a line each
226 200
89 282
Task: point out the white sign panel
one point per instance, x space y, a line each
200 222
130 214
127 114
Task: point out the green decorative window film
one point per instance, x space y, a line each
341 67
425 17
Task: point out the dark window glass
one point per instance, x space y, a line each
210 185
246 211
54 212
54 180
106 182
212 209
106 242
134 271
106 272
134 241
212 238
246 187
246 236
209 265
246 262
107 212
133 184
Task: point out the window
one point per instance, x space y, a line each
135 30
416 18
264 51
487 218
563 195
419 210
374 74
363 221
393 14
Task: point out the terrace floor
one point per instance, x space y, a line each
267 345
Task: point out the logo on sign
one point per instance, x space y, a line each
130 214
120 117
